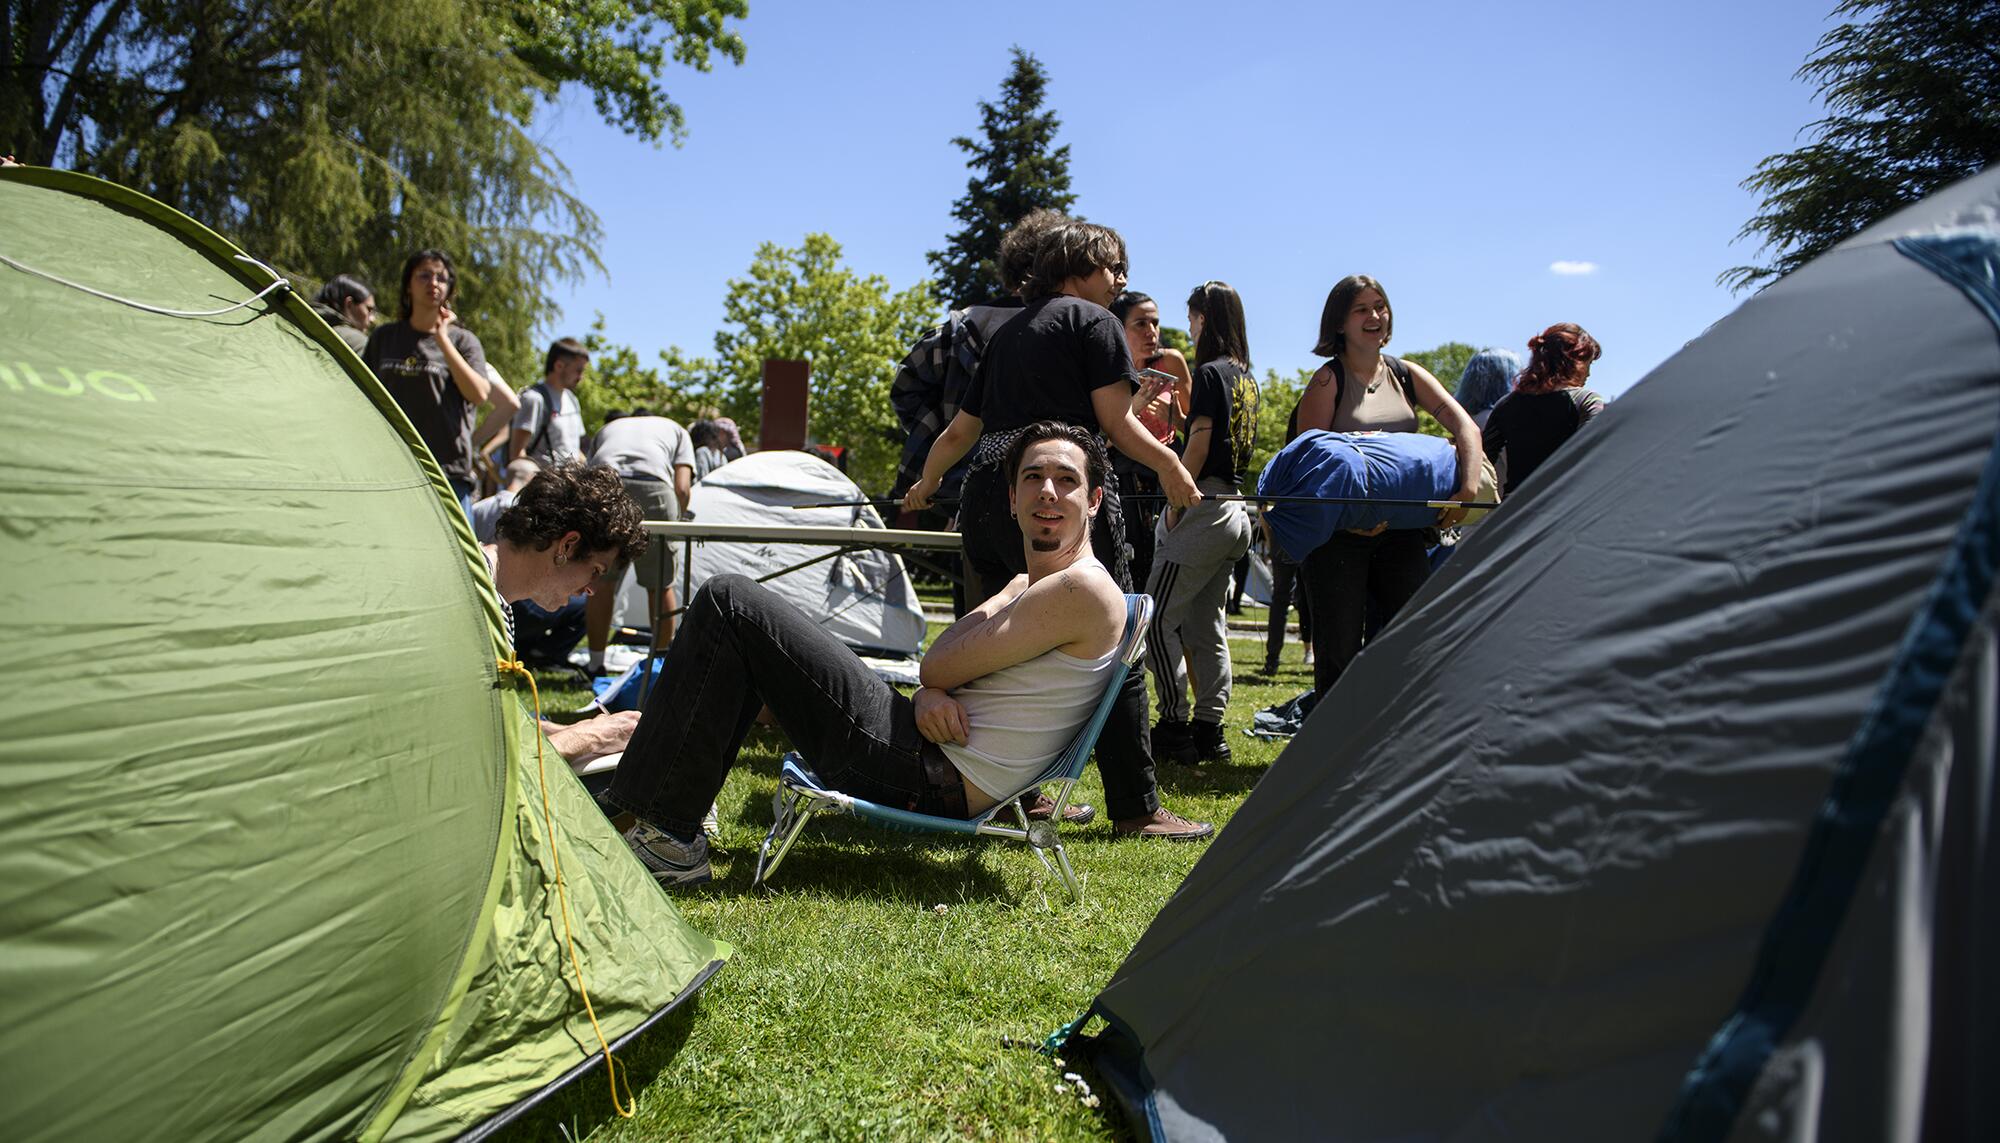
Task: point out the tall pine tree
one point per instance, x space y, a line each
1912 95
1016 169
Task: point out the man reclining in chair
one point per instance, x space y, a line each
1005 688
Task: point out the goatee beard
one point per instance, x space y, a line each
1042 545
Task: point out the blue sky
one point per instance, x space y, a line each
1457 151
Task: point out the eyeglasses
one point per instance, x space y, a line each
1118 269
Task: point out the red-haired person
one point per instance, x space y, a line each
1548 404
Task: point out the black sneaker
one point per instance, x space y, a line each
1173 741
1206 740
670 860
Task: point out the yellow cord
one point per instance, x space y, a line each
626 1109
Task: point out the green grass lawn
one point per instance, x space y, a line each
855 1009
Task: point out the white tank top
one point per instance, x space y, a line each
1020 717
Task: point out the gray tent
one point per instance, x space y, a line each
1666 810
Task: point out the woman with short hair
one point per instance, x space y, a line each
1363 389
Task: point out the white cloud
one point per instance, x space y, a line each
1572 269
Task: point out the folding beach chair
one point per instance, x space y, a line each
801 794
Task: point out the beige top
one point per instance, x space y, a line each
1381 409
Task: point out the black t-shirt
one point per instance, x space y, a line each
1044 364
413 369
1530 427
1227 394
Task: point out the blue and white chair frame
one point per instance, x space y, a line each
801 794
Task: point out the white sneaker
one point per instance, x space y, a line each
711 822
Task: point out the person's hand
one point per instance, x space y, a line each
919 496
1179 487
446 316
1450 517
939 717
596 737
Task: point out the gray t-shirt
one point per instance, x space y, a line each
485 516
412 367
645 447
563 439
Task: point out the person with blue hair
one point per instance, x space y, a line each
1488 377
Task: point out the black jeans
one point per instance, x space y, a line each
1343 575
993 556
1287 590
740 647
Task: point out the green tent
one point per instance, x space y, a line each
273 860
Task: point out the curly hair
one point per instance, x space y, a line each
1096 464
575 497
1557 357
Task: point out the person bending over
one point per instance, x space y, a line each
1004 689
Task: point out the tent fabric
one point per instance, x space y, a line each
1389 466
864 598
271 854
1606 838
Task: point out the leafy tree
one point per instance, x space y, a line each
1447 363
1016 169
1278 395
1913 103
338 135
802 302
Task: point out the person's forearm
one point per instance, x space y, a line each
937 659
472 384
1131 438
1195 456
950 447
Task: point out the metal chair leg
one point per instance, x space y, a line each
798 815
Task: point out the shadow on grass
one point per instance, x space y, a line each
584 1104
1212 777
852 862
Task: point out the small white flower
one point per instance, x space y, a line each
1090 1101
940 910
1062 1089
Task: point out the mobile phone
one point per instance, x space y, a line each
1156 375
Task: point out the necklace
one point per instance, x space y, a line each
1377 382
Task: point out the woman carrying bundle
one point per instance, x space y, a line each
1362 389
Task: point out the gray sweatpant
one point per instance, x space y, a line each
1190 586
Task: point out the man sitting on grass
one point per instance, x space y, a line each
1005 688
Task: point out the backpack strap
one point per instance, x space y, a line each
1405 378
1397 366
541 436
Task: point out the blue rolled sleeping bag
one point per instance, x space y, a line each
1392 466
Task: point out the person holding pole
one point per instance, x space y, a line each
1363 389
1065 358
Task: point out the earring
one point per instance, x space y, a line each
561 560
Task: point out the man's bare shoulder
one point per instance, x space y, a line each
1087 600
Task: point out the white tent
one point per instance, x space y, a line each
865 598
